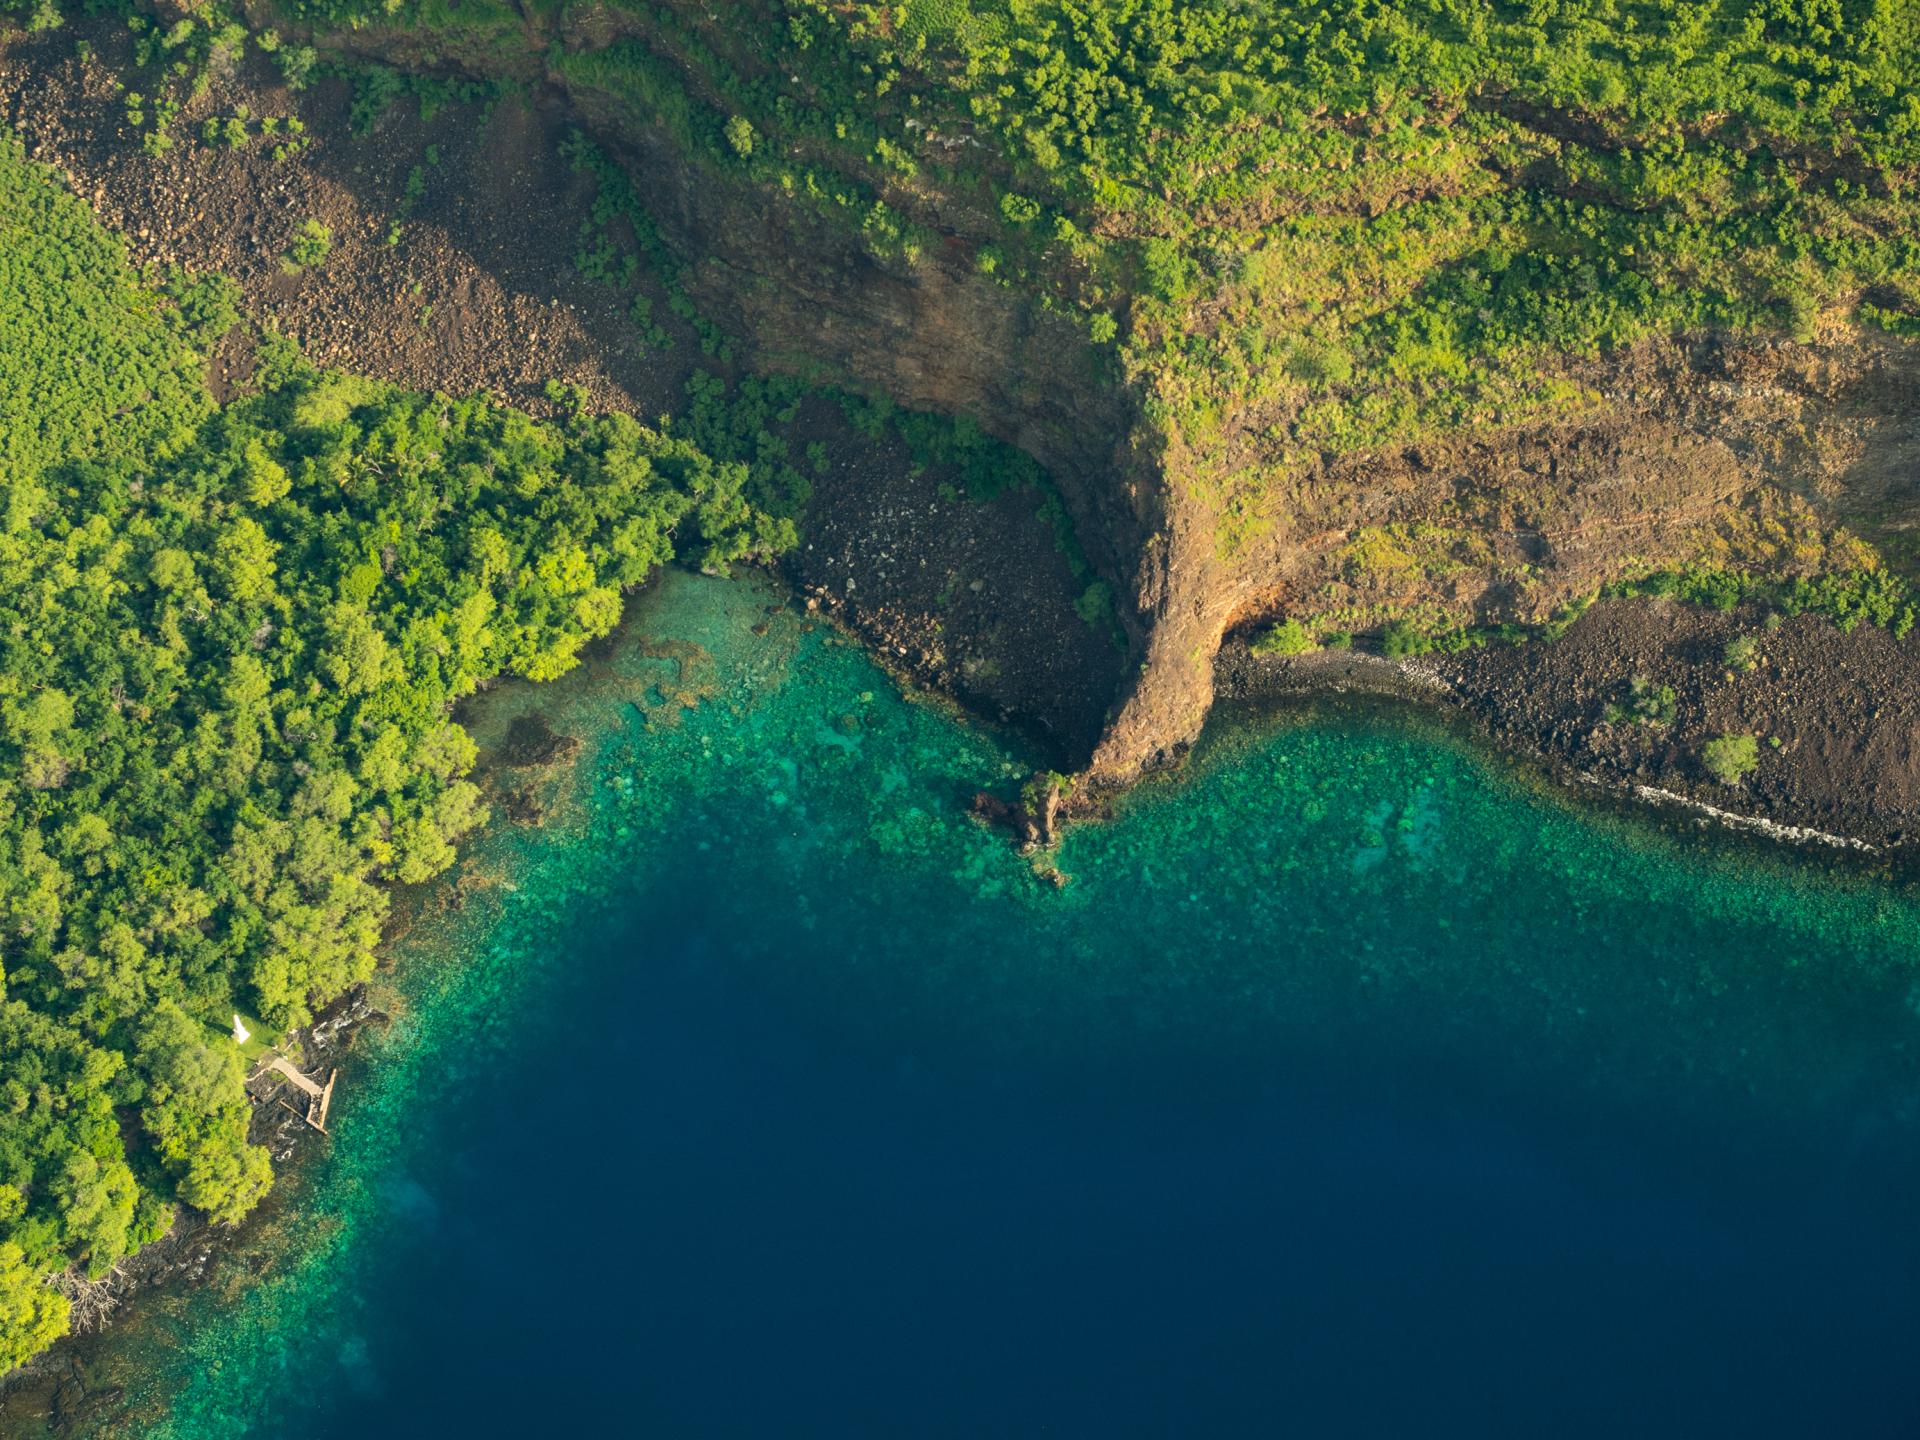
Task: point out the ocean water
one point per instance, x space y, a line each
1352 1086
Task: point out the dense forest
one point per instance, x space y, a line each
229 645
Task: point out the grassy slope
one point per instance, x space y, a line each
96 362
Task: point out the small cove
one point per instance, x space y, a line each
1352 1085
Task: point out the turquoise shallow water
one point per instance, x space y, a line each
1351 1086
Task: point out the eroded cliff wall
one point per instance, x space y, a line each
1740 451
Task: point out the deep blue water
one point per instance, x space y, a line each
731 1219
1349 1088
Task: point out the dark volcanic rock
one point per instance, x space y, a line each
531 741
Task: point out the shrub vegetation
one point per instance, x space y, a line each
312 243
1731 758
1289 637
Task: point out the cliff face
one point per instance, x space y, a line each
1770 454
807 297
1747 452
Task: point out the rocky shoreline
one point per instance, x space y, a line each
1843 707
57 1390
1835 714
